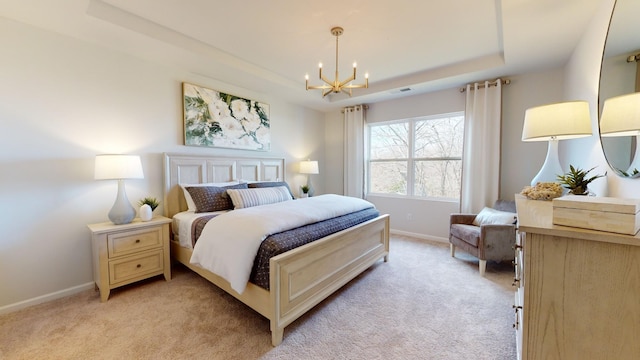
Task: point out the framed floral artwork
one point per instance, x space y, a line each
215 119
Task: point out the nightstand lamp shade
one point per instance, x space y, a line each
119 167
553 122
309 167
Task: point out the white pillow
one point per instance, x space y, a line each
244 198
191 205
489 216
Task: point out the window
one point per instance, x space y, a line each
420 157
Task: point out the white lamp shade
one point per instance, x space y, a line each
621 116
118 167
559 121
309 167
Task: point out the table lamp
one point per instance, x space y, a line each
554 122
621 117
119 167
309 167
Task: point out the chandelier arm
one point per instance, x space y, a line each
319 87
346 81
325 93
330 83
321 77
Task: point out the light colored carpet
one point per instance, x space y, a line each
422 304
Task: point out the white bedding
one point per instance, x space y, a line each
182 223
229 242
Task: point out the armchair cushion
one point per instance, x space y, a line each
467 233
489 216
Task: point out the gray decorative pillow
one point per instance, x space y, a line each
191 206
212 198
263 184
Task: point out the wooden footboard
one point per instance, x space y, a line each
303 277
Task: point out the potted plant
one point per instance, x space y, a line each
305 190
147 205
576 180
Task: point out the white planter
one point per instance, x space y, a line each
145 212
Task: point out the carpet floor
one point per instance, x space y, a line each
422 304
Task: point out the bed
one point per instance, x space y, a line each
299 278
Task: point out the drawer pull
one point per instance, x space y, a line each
138 266
137 241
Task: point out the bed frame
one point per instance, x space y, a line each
300 278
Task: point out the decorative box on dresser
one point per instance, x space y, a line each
578 294
123 254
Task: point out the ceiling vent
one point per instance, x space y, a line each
398 91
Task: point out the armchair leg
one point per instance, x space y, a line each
453 250
483 266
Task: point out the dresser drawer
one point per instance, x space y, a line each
135 267
134 241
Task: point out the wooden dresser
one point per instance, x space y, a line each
578 291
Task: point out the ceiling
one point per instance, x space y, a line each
269 46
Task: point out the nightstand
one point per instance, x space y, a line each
127 253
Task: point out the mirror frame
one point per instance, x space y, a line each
619 44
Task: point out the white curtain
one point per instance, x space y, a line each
481 154
354 118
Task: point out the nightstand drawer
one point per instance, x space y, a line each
136 267
134 241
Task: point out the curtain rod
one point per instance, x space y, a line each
350 108
504 82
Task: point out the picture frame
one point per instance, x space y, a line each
217 119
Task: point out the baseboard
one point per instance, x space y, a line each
420 236
44 298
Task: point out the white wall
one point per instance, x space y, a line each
521 161
62 102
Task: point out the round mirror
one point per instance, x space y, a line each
619 75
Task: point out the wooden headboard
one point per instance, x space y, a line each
197 169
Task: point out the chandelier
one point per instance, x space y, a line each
337 86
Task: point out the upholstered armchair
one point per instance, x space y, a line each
488 235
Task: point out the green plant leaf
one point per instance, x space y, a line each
576 179
151 201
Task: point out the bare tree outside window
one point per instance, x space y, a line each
419 157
